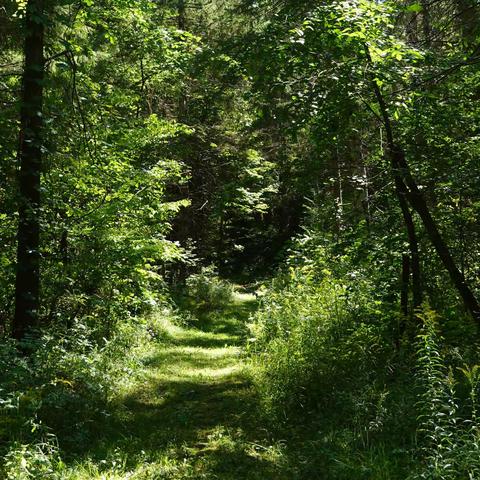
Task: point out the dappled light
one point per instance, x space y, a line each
192 411
239 240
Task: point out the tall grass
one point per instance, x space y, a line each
326 367
60 393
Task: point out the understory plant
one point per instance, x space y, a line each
58 396
449 427
314 339
207 291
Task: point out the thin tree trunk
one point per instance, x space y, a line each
412 242
426 23
367 209
339 198
401 193
416 199
27 285
418 202
181 20
404 287
182 25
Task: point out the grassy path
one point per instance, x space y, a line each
193 414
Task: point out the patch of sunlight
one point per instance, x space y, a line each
220 372
182 334
170 328
211 353
164 468
241 297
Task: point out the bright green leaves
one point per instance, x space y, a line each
115 155
21 7
21 4
414 8
298 36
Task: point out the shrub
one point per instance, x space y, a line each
60 390
449 426
313 341
31 462
207 291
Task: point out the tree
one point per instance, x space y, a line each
27 287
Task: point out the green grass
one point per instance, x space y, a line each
192 413
187 408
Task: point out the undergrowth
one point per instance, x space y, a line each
207 292
448 404
331 377
328 377
57 395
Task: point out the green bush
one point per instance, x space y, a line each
450 428
314 341
30 462
207 291
61 390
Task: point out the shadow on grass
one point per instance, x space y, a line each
194 410
193 415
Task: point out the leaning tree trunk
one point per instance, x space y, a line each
27 285
419 204
416 199
401 192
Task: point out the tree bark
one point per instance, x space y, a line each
404 287
414 265
419 204
181 18
401 170
27 285
468 16
426 23
401 191
405 283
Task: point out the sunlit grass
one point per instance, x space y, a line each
190 413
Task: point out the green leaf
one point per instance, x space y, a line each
414 7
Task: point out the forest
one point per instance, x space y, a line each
240 239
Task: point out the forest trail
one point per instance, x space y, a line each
193 414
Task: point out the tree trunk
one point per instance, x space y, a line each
404 287
405 283
27 286
181 19
416 199
418 202
468 16
426 23
414 267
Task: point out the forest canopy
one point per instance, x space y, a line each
240 239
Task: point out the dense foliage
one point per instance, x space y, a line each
325 154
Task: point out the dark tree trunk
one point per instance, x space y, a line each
27 285
181 20
405 283
405 286
414 265
401 170
426 23
401 191
418 202
468 16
